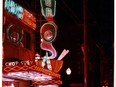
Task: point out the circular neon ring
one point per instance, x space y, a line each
47 28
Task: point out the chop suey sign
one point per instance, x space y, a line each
14 63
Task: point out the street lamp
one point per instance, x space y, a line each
68 71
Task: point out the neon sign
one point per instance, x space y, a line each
28 62
13 8
22 14
48 32
48 8
28 19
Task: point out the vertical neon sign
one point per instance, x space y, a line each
48 34
48 30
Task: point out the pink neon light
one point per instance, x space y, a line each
49 47
64 53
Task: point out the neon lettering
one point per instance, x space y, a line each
11 63
48 8
13 8
20 13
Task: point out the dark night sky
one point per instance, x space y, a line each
99 13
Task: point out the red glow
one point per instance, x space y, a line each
29 19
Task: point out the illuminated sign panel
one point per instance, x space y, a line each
28 19
21 13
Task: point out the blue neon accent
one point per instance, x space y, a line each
13 8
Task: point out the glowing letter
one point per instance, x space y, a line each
48 8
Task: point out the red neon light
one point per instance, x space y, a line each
29 15
29 19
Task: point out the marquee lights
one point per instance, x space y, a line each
27 72
21 13
28 75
